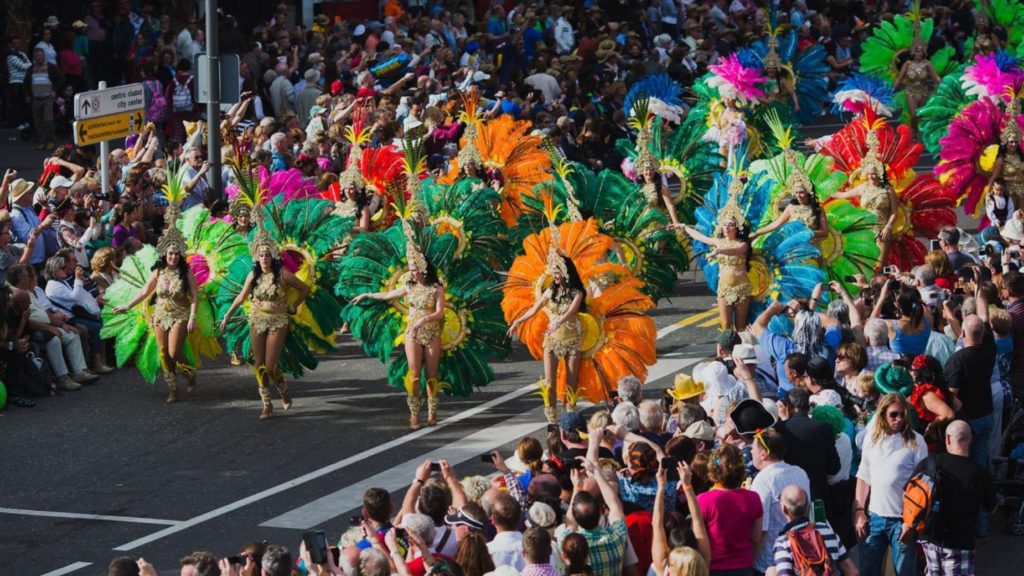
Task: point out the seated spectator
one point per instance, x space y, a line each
104 268
50 329
11 254
75 302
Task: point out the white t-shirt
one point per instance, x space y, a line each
769 484
886 466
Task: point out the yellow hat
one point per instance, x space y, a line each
19 188
685 387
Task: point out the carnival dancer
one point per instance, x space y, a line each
732 250
1009 163
803 204
241 221
917 77
424 295
562 303
877 196
175 311
269 315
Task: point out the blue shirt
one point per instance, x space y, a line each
23 221
781 346
277 163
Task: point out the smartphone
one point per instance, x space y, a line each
849 278
574 464
890 270
669 463
435 466
240 560
316 543
487 458
934 245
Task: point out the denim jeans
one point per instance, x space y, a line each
980 447
885 533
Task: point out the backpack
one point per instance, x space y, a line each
157 109
810 555
181 98
921 499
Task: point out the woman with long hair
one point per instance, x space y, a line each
918 79
1008 170
909 333
174 315
945 277
876 195
803 207
425 297
562 302
931 400
269 313
472 555
731 245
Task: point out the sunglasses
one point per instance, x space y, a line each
897 415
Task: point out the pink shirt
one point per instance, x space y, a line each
730 517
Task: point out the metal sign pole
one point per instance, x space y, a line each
105 163
213 106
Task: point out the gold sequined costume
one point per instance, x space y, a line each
269 309
805 214
875 199
172 301
918 82
422 302
564 341
733 282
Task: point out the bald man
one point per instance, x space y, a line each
965 491
969 375
796 507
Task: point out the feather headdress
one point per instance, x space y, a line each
555 264
251 196
175 191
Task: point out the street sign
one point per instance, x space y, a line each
114 100
110 127
230 89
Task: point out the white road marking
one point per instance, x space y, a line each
80 516
68 569
664 366
397 477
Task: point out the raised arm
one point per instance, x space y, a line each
389 295
696 235
142 295
529 313
775 224
765 318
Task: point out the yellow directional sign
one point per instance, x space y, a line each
103 128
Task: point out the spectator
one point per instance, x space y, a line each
472 555
949 242
1013 283
18 67
851 362
537 553
199 563
911 328
774 475
45 82
809 443
945 277
931 400
733 514
876 334
968 374
576 556
891 449
965 489
807 337
604 546
26 224
506 548
630 389
796 508
78 305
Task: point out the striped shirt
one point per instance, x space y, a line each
17 67
784 552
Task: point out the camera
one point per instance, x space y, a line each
487 458
435 466
890 270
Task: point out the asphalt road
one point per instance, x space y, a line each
111 470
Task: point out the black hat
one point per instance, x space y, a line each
749 416
819 369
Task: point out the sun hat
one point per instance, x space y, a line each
685 387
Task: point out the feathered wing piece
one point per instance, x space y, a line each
860 91
925 207
896 150
134 339
806 69
991 74
472 333
968 154
617 338
514 162
288 184
469 213
889 41
850 247
786 260
664 95
938 113
735 81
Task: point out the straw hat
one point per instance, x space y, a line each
685 387
19 188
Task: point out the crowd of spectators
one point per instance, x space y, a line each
817 429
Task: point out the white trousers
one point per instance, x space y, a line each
65 351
